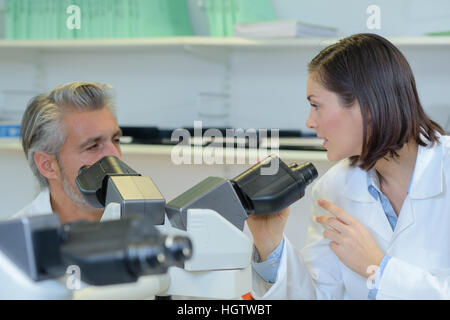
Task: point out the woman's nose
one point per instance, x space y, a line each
310 123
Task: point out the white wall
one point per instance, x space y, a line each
17 184
161 87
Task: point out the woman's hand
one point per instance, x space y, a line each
350 240
267 231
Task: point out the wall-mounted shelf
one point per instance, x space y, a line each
13 145
214 49
177 42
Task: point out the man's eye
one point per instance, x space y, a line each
92 147
116 140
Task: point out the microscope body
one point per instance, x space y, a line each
214 211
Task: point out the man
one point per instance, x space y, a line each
71 126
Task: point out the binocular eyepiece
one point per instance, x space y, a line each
262 193
266 188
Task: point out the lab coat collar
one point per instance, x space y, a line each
427 182
428 177
356 186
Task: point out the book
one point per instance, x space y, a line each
283 29
47 19
10 18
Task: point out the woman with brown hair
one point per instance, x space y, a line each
380 218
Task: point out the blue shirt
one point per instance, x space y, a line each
268 269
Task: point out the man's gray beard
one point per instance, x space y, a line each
73 193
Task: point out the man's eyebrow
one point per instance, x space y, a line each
99 138
89 141
118 133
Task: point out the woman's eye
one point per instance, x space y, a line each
315 106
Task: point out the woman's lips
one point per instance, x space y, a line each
325 141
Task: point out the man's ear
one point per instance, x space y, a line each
46 164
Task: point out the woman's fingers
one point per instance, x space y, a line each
333 223
338 212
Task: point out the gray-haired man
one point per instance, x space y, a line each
71 126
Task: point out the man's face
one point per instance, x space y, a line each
91 135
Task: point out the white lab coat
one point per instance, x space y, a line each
41 205
419 245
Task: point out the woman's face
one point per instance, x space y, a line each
340 127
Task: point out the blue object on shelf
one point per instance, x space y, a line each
9 131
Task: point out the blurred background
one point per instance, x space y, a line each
227 63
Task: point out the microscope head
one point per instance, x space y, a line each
255 191
111 180
262 193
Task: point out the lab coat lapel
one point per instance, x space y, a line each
428 182
378 222
428 178
356 189
405 218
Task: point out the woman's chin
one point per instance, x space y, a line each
334 157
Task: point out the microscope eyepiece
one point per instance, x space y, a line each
305 171
271 193
91 180
81 170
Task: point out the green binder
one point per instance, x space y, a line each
224 14
10 19
47 19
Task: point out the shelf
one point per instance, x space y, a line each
180 42
287 155
13 145
10 144
136 43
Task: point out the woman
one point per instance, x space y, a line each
380 218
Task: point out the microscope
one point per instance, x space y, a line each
37 252
201 251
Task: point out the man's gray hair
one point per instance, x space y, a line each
42 129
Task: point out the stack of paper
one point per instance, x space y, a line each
282 29
47 19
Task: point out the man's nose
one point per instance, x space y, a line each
112 149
